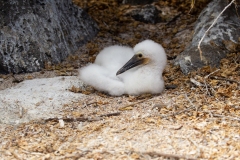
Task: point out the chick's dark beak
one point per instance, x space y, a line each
133 62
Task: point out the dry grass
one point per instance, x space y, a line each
197 120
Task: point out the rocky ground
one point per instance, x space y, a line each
197 117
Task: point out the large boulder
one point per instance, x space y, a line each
221 39
33 33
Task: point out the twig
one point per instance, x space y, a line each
211 73
225 79
179 112
159 154
206 86
199 84
188 100
192 5
82 119
91 103
196 82
226 117
200 51
191 102
110 114
33 153
132 104
221 116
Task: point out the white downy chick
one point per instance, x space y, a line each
137 75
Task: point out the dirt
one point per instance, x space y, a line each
197 119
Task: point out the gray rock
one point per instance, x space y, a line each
146 14
215 45
33 33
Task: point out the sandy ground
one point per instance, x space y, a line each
197 119
172 125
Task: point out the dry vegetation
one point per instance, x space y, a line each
198 119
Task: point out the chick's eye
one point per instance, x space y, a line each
140 55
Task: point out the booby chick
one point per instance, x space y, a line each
121 70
